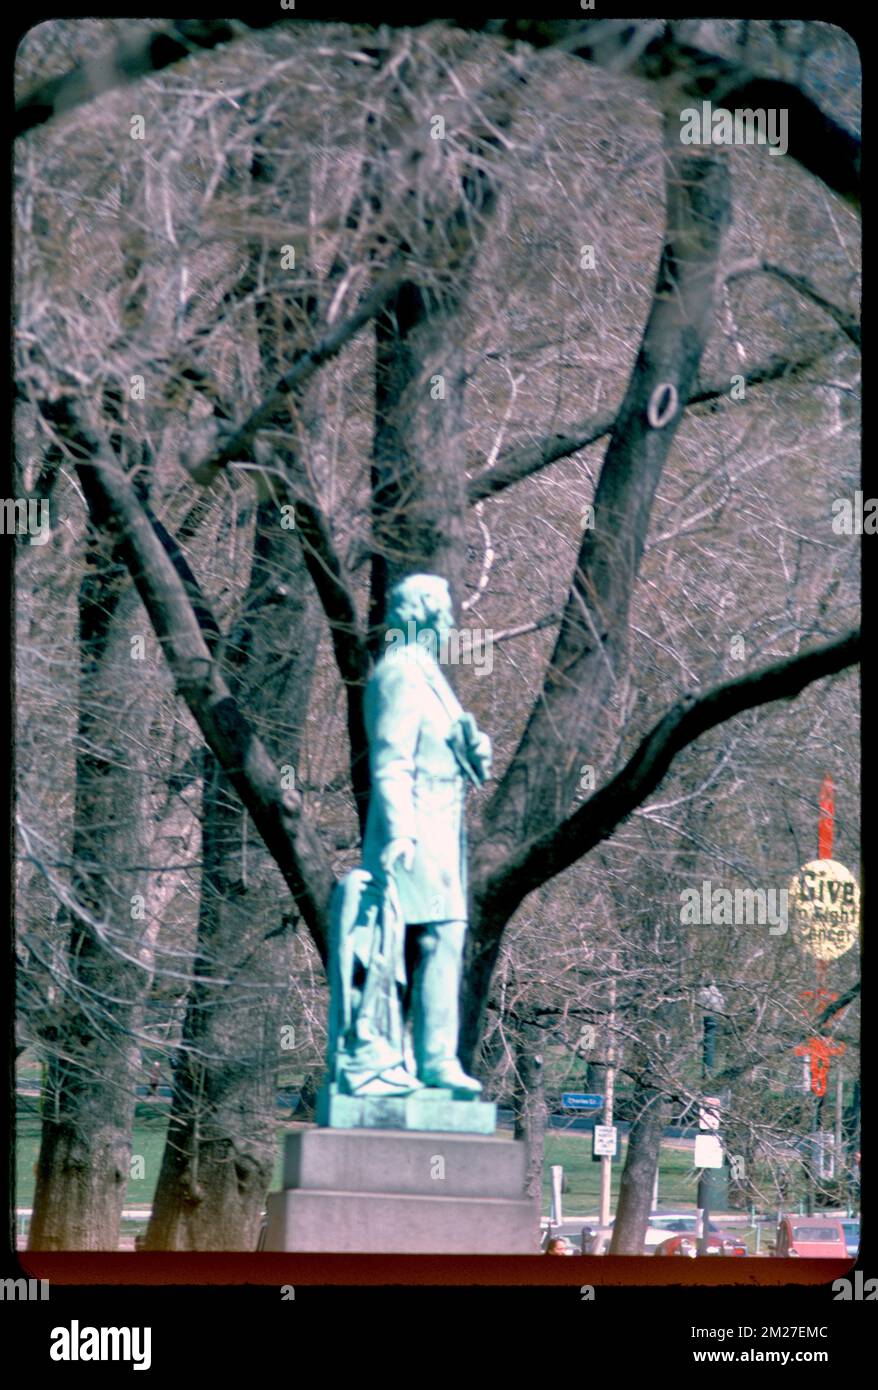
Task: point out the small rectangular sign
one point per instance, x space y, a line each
605 1138
708 1151
708 1112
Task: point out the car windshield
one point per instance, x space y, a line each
678 1223
815 1233
689 1223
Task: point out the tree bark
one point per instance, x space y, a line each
571 718
219 1155
88 1102
530 1103
570 722
638 1175
419 488
222 1136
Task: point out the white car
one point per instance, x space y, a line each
675 1223
602 1235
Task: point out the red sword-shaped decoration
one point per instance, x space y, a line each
827 813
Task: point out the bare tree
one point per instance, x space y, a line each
414 339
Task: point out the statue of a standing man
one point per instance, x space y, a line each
399 923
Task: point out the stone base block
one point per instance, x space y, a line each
434 1108
374 1191
425 1165
370 1223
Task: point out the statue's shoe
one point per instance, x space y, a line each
391 1081
451 1074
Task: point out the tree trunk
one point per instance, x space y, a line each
570 720
419 502
419 486
574 716
638 1175
530 1104
219 1156
89 1097
222 1136
88 1104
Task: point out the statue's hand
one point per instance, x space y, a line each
396 850
478 747
482 751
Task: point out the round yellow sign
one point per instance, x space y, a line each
825 908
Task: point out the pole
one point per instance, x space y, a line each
708 1054
839 1107
606 1159
811 1196
557 1172
704 1208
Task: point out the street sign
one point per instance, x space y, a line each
708 1151
708 1113
825 909
605 1137
578 1100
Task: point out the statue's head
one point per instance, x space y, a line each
421 603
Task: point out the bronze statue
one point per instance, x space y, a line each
398 923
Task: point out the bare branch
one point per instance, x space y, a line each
524 460
847 322
678 70
277 813
550 853
589 651
239 444
132 58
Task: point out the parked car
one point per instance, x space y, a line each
686 1225
810 1237
674 1220
602 1235
678 1245
851 1230
685 1244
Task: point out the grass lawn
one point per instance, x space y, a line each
148 1143
676 1188
573 1152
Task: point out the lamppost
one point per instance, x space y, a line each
712 1001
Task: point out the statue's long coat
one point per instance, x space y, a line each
418 788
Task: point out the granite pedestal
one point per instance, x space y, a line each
404 1191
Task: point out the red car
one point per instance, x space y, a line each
810 1237
688 1245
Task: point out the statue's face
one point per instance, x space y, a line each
431 595
440 614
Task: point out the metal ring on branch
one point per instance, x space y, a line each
659 418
